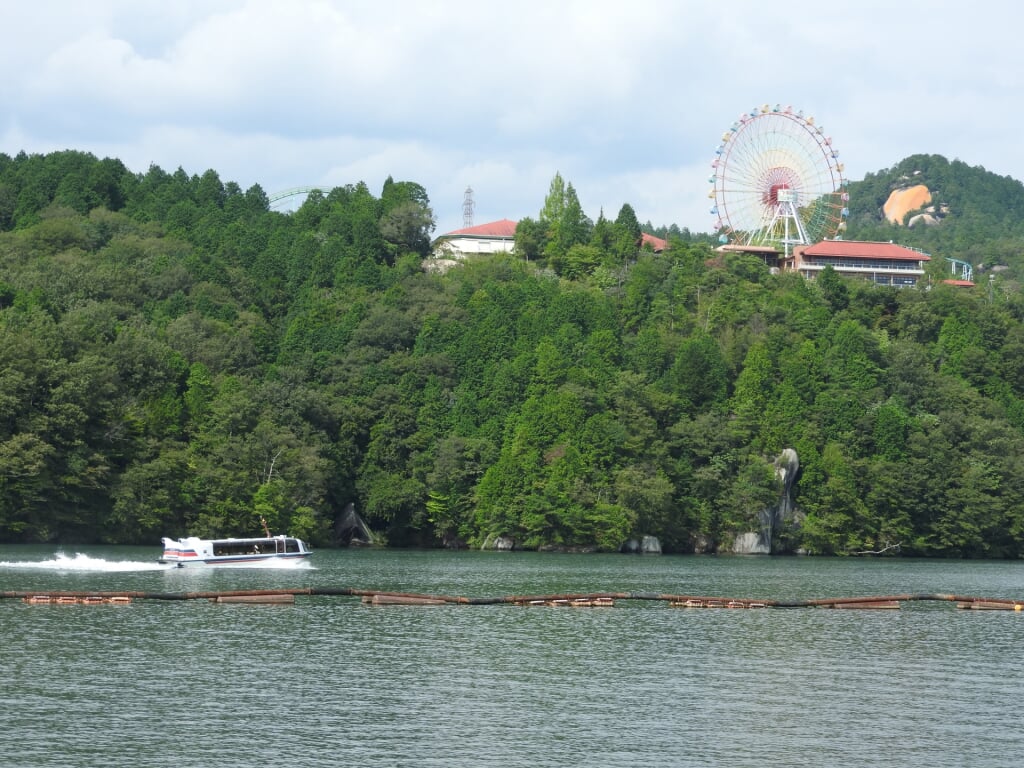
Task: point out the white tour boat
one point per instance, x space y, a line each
234 552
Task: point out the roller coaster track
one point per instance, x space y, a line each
961 269
277 197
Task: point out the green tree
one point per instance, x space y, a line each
833 288
699 376
406 217
530 238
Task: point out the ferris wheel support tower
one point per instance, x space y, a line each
783 223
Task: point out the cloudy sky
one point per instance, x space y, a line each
627 100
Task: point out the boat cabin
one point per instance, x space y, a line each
278 545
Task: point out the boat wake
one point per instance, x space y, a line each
283 564
82 562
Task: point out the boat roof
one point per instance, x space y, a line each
234 538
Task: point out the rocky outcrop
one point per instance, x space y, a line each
777 519
903 201
922 218
648 545
500 543
702 545
751 543
787 465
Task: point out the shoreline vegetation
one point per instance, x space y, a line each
179 358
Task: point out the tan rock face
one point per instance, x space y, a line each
902 201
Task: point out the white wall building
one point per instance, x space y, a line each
495 237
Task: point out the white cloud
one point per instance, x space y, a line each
627 101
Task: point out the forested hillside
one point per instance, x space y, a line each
178 358
980 214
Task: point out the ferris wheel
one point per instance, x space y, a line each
777 181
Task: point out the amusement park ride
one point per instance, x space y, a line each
777 181
278 199
777 184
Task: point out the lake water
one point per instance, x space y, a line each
329 681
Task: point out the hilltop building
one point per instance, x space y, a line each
881 263
657 244
491 238
499 237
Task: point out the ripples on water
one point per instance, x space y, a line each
329 681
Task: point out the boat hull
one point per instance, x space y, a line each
235 562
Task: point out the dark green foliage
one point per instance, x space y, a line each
179 358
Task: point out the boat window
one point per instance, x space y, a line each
237 548
292 545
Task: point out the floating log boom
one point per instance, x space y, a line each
576 599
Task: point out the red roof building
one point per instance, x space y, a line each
881 263
657 244
494 237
